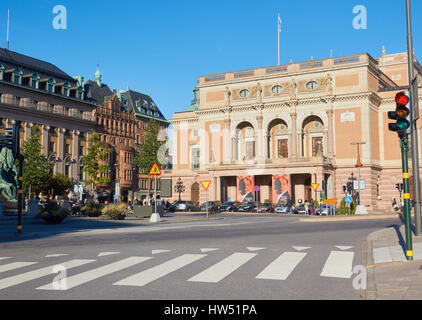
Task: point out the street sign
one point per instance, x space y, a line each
315 186
155 170
348 199
206 184
329 201
356 185
256 188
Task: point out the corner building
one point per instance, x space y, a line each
285 127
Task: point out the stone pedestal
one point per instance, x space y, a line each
155 217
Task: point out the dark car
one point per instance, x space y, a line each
228 206
265 207
246 207
212 206
186 206
300 209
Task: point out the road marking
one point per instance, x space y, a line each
39 273
15 265
203 250
93 274
223 268
103 254
254 248
282 267
300 248
56 255
149 275
160 251
4 258
338 265
344 247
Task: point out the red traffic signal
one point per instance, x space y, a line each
401 114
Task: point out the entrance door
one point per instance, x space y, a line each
194 193
282 148
316 146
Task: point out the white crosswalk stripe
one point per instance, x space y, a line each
282 267
223 268
15 265
149 275
90 275
39 273
338 265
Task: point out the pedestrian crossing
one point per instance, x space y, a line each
214 267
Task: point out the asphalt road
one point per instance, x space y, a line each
246 258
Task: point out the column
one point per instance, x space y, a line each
233 149
28 130
44 139
266 137
76 165
227 142
260 155
330 135
293 152
300 142
60 150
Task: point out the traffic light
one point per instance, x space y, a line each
401 114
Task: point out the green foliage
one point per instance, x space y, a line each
95 162
52 209
344 210
36 169
147 151
92 209
60 183
115 211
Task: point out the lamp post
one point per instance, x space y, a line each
358 165
179 187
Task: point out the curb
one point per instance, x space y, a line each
349 218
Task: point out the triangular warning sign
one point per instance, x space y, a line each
154 171
206 184
315 186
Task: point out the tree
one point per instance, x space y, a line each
96 161
36 169
60 183
147 151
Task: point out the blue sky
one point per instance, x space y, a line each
162 47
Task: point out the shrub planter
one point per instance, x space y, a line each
51 219
52 213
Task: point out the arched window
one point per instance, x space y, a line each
1 71
51 83
34 81
17 76
65 89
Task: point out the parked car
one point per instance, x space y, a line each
324 209
212 206
186 206
265 207
282 208
246 207
169 207
228 206
300 209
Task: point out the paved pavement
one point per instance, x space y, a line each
390 275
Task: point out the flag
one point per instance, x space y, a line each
279 23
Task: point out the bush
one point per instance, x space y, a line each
52 212
117 212
344 210
92 209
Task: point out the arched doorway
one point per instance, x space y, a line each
313 140
194 193
278 139
245 141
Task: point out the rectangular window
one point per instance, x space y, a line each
282 148
195 158
317 146
66 170
67 148
51 147
250 150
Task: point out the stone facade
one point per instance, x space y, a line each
295 121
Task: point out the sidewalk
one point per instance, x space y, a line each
390 275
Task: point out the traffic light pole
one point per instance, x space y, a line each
414 114
404 146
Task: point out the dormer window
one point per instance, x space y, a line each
80 93
65 89
17 76
1 71
34 81
51 85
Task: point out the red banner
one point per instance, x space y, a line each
281 189
245 189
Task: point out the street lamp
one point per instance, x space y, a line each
179 187
358 165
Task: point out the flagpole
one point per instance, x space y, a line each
278 40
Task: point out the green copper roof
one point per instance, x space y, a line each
195 102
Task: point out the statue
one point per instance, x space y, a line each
228 94
259 92
8 175
329 83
